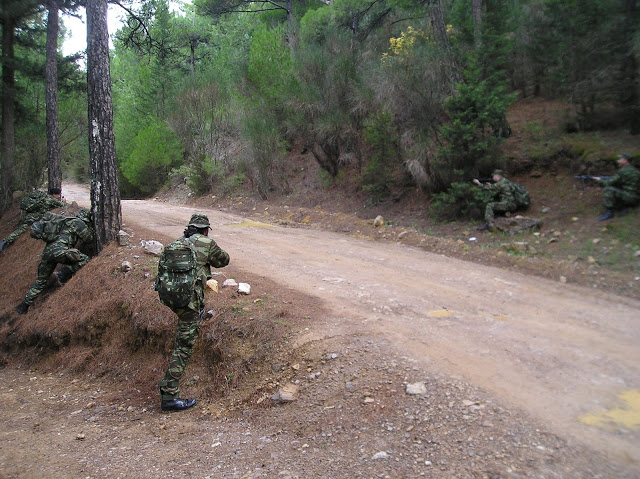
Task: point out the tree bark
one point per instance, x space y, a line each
630 96
105 193
51 75
8 112
476 16
440 34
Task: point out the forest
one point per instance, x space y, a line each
401 93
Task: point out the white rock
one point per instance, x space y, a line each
380 455
152 247
286 394
379 221
229 283
126 266
244 288
416 388
123 238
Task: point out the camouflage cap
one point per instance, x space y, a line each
497 172
626 156
84 214
199 220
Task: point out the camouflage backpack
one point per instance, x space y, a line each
49 227
177 274
521 196
32 202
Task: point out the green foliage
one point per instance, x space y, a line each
266 149
382 139
270 68
156 149
476 116
461 201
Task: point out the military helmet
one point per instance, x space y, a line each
497 172
85 215
199 220
626 156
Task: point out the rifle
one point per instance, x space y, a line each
485 180
582 178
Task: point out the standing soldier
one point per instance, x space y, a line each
622 190
33 206
207 254
510 197
61 250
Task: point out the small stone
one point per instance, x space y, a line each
416 388
379 221
563 279
380 455
126 266
80 437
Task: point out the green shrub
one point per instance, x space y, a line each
461 201
156 149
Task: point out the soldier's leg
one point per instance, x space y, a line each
186 335
73 259
489 214
612 197
45 268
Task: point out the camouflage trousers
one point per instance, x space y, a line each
498 207
186 335
617 199
51 257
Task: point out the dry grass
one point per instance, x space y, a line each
107 323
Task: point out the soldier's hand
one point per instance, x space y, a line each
476 181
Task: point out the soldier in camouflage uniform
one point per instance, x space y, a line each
506 199
42 203
622 190
208 254
61 251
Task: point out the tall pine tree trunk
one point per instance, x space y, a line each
105 193
51 75
8 149
630 93
476 16
440 34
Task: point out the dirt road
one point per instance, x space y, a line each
568 356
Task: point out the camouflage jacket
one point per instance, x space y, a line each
74 230
627 179
504 190
208 254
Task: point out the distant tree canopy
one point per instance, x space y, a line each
395 92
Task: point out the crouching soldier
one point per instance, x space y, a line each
183 270
510 197
33 206
61 235
621 191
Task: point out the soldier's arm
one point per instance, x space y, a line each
218 258
54 203
85 233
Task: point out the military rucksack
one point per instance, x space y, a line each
32 202
49 227
177 274
521 196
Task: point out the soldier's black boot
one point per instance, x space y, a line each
484 227
22 308
606 216
177 404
